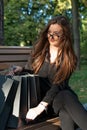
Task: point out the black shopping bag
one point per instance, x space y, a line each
30 93
13 120
8 89
25 96
35 94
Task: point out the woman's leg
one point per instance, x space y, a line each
66 121
67 100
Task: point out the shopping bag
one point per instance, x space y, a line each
27 95
30 93
4 81
8 89
13 120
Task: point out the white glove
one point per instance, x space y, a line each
31 115
34 112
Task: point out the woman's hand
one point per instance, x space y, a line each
17 69
14 69
36 111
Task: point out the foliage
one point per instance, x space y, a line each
24 19
83 27
84 39
78 82
63 7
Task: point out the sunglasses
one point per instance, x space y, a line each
54 35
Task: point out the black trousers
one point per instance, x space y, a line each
70 110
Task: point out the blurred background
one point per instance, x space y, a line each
22 20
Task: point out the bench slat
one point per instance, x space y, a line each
13 56
51 124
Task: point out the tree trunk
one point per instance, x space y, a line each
76 32
1 22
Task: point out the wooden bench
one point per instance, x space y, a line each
13 56
50 124
19 56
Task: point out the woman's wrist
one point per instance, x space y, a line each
44 106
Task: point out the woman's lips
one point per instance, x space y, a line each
51 40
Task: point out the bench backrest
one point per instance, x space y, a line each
13 56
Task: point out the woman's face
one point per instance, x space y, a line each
55 34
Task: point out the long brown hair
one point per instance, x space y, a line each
66 58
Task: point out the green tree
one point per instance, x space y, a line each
1 22
24 19
83 31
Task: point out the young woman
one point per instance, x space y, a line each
54 59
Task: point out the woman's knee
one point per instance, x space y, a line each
64 116
61 98
58 101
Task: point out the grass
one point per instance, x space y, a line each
78 82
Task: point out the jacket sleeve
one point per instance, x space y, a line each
54 90
51 93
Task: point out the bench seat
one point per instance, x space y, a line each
50 124
13 56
